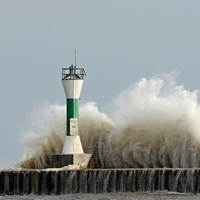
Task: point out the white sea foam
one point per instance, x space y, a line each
156 123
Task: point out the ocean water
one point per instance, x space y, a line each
153 123
109 196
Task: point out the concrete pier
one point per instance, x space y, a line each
60 181
61 160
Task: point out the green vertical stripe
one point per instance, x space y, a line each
72 112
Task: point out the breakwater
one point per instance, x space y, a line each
60 181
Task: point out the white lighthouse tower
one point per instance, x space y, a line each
72 152
72 80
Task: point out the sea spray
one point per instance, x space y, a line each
46 138
156 123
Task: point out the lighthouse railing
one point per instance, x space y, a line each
73 73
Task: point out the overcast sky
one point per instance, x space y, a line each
117 42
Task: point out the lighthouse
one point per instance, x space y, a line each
72 80
72 151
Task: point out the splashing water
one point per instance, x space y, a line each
155 124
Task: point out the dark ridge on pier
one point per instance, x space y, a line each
59 181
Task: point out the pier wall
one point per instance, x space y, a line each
59 181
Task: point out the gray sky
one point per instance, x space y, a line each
117 42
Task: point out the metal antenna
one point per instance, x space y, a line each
75 57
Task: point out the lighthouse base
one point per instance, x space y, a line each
61 160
